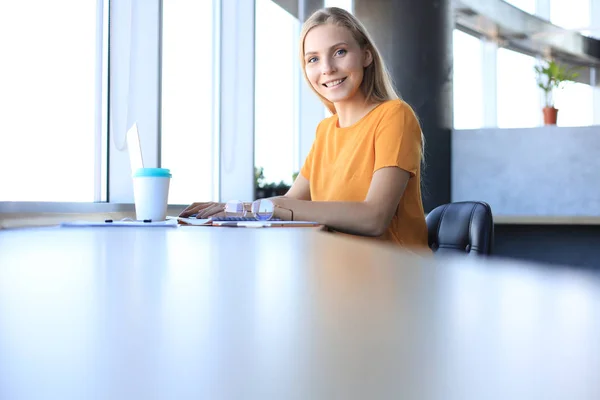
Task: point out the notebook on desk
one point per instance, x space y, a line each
120 223
192 221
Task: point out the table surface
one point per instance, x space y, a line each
284 313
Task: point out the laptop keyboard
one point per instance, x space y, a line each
243 219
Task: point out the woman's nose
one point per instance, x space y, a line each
328 67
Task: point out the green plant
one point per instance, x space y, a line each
552 75
259 180
259 177
268 189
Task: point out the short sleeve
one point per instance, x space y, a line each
398 140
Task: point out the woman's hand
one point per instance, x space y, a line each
204 210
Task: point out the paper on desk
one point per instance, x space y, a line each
192 221
167 223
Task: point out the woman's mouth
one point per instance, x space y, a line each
332 84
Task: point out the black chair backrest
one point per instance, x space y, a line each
466 227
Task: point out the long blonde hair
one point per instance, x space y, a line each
377 85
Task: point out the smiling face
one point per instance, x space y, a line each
334 63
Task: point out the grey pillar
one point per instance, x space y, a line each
307 7
415 39
301 9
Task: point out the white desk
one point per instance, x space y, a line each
225 313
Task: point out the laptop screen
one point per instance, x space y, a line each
135 150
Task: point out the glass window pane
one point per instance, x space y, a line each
48 100
277 72
519 103
525 5
187 99
468 81
575 103
572 14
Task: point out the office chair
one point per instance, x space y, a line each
463 227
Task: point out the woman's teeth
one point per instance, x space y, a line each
334 83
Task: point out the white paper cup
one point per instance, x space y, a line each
151 193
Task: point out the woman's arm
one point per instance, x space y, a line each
368 218
300 189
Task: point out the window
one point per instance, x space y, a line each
48 98
525 5
519 104
572 14
468 81
188 62
575 103
277 72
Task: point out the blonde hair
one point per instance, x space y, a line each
377 85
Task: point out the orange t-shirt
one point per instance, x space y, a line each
341 163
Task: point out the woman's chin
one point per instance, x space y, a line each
335 98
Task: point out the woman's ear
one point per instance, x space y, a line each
368 58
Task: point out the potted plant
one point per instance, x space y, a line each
550 76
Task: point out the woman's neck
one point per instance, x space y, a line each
351 111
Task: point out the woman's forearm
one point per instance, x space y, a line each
359 218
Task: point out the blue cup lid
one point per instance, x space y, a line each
152 172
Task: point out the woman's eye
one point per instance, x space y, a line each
340 52
312 60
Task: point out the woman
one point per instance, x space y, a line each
363 173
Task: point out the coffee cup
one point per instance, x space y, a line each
151 193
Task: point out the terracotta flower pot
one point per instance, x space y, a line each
550 115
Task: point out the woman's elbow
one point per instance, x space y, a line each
378 225
378 230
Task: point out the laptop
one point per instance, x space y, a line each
134 149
